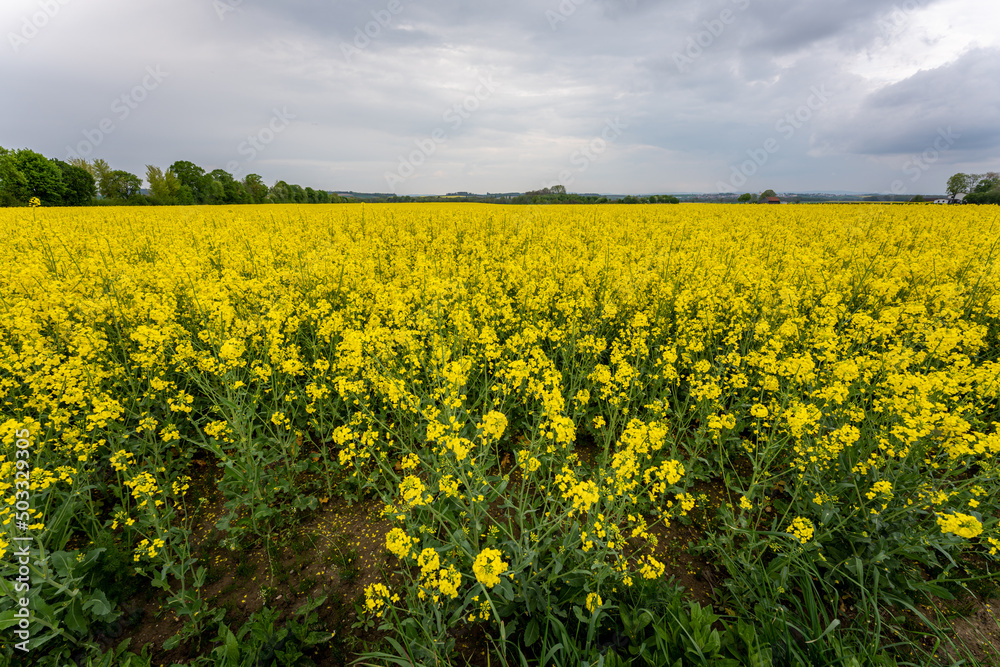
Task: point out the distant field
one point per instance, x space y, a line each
479 434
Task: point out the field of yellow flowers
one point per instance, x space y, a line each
529 394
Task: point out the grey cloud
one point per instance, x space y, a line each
904 117
558 83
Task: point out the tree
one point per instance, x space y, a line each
280 193
988 197
198 183
765 194
918 199
120 184
82 164
745 198
81 188
164 187
185 195
100 170
13 184
232 190
44 178
213 192
255 188
958 183
986 182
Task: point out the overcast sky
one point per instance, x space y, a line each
435 96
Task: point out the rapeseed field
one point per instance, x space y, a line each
532 397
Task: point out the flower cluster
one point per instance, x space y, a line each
802 528
488 567
963 525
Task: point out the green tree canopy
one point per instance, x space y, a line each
988 197
958 183
986 182
43 178
120 184
164 187
255 188
233 191
199 185
80 186
100 170
280 193
13 184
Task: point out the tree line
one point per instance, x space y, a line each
750 198
978 188
557 194
25 174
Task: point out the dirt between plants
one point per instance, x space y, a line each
980 630
337 551
977 631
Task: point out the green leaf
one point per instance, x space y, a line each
91 556
8 620
310 605
159 582
75 619
531 632
232 647
63 564
98 605
505 589
262 512
37 641
43 609
762 658
712 645
935 590
746 633
552 651
314 638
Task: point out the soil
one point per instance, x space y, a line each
336 552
